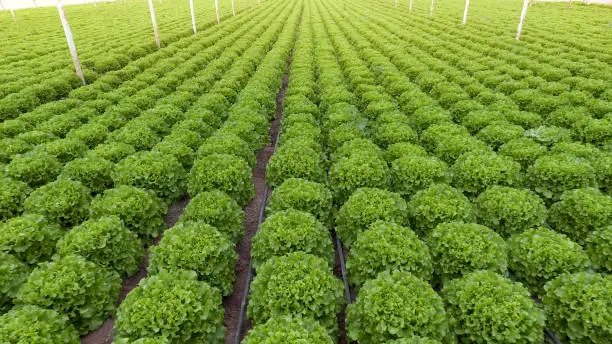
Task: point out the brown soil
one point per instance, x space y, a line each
233 304
104 334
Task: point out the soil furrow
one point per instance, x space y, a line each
236 322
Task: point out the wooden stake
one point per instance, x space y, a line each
410 6
217 11
465 12
70 40
154 21
523 14
193 20
233 9
431 9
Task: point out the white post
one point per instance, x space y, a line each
569 5
395 3
14 17
193 20
410 6
233 9
154 21
71 45
465 12
96 4
523 14
431 9
217 11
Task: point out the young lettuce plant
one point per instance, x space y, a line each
387 246
82 290
141 211
217 209
578 307
155 171
171 305
13 273
224 172
63 201
13 194
94 173
357 171
197 247
473 172
509 211
551 175
121 251
304 195
289 329
396 305
412 173
35 325
366 206
598 247
438 204
485 307
580 212
538 255
290 231
459 248
307 288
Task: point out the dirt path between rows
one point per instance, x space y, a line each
233 304
104 334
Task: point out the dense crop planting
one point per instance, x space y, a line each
456 179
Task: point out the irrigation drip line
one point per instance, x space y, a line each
250 274
340 253
552 336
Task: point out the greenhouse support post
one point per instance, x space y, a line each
193 19
154 21
14 17
395 3
431 9
465 12
70 40
569 5
233 9
410 6
217 11
523 14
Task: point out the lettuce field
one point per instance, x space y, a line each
307 171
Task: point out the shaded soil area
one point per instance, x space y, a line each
233 304
341 255
104 334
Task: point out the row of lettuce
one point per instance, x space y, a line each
453 235
548 41
86 224
36 66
